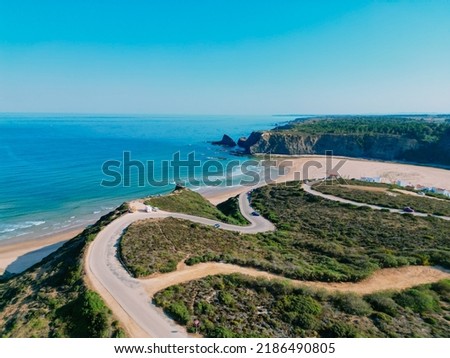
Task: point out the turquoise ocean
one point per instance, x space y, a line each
51 165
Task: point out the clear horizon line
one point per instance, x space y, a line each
220 114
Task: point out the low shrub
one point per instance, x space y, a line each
352 304
419 301
383 302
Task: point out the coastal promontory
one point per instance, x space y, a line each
422 140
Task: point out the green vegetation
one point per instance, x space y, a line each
183 200
438 196
261 308
157 246
231 209
388 198
421 130
51 298
316 239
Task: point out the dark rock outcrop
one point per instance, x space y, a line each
179 186
226 141
247 143
241 142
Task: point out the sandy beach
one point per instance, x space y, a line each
17 255
310 167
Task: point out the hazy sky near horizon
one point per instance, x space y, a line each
224 57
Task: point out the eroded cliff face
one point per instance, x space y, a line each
367 146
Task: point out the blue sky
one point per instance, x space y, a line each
224 57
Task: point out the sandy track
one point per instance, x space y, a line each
382 280
407 192
365 188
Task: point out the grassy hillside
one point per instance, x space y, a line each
158 245
183 200
239 306
316 239
387 197
231 209
51 299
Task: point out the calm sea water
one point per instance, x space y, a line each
50 168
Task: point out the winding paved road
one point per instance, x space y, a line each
126 295
310 190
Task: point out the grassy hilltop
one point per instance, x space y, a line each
186 201
316 239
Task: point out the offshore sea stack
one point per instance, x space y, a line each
226 141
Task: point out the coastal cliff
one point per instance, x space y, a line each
374 146
393 140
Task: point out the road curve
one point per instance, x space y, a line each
124 294
128 297
310 190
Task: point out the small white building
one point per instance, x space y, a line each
371 179
401 183
441 191
427 189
